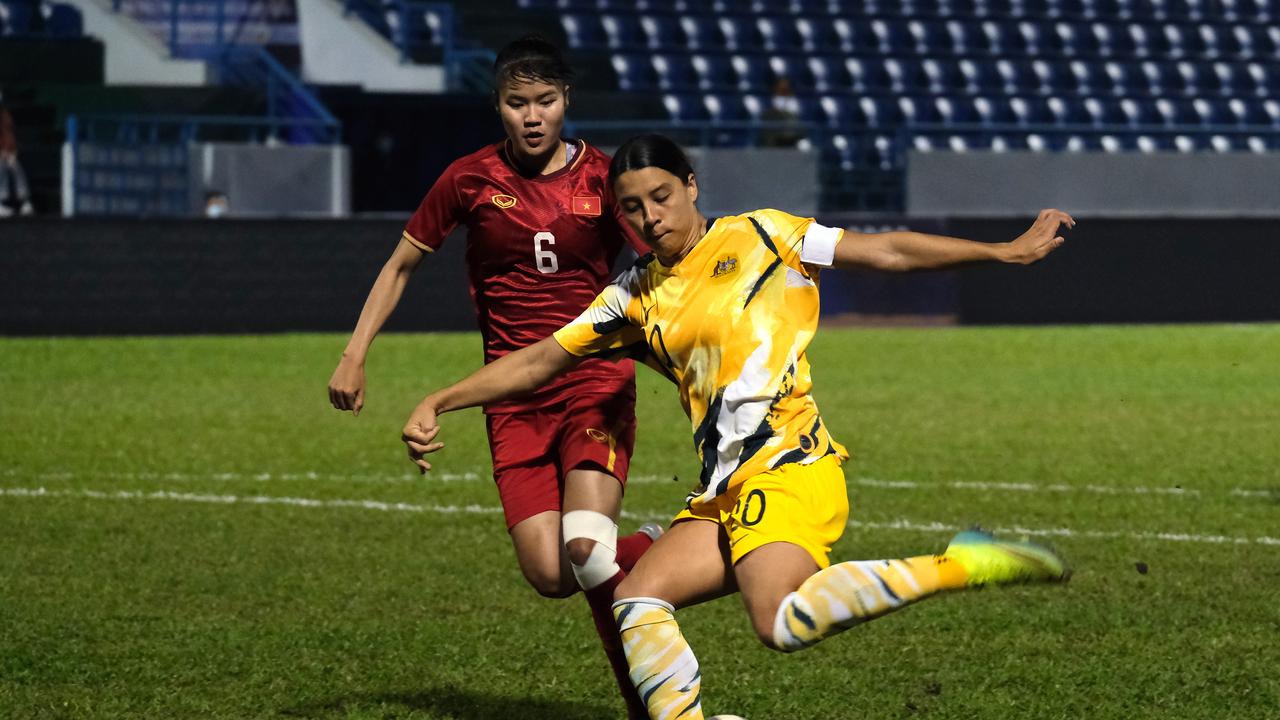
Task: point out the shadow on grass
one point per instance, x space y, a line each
454 703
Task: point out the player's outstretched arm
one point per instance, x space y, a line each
346 386
907 251
511 375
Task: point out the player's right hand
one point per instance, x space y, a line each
419 433
346 387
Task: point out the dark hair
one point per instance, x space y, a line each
531 58
651 150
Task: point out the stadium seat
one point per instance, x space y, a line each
752 72
662 32
891 36
905 75
622 32
725 108
955 110
854 36
685 108
1212 112
993 111
740 34
779 34
64 21
929 37
1091 78
674 71
794 69
817 36
918 111
980 75
701 33
942 75
1067 110
1112 40
1176 111
582 31
1139 112
828 74
1016 76
714 72
635 72
866 75
840 111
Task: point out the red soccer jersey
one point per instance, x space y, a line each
539 249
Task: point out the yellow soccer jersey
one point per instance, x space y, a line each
729 324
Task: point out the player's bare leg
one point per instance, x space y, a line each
687 565
599 559
539 547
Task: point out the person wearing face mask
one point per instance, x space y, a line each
543 232
216 204
725 308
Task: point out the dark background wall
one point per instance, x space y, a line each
196 276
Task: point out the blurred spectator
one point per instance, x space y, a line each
15 194
216 204
784 112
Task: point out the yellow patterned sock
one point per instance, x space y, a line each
663 667
843 595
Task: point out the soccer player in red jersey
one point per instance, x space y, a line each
543 231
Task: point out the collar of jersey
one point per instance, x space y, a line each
505 151
697 248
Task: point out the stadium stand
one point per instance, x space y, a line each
876 79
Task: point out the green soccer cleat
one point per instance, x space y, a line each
987 560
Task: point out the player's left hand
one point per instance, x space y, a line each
419 435
1042 239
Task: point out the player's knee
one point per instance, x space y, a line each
549 583
591 539
580 550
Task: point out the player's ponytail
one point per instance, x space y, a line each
652 150
531 58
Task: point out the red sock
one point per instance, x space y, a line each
600 598
630 548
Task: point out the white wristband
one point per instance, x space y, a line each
819 245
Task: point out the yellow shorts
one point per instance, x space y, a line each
805 505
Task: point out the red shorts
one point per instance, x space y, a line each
533 450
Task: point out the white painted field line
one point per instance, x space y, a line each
903 524
485 476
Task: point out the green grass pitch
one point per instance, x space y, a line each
187 530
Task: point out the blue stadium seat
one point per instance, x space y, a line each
739 34
1090 78
839 111
879 112
1077 39
1052 76
1176 111
817 35
675 71
1039 38
1016 76
828 74
1139 112
1003 38
701 33
942 75
1112 40
1030 110
583 31
714 72
685 108
1067 110
905 75
918 111
662 32
967 38
1212 112
854 35
993 111
635 72
866 75
725 108
980 75
778 34
891 36
64 21
1124 78
1103 111
794 69
622 32
16 17
929 36
752 72
955 110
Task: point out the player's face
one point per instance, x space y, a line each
533 115
660 208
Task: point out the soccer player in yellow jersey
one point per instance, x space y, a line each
726 310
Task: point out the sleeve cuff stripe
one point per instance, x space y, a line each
414 241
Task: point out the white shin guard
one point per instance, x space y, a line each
602 563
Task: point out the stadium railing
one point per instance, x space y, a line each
140 164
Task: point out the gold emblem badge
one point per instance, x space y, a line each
504 201
725 266
597 435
